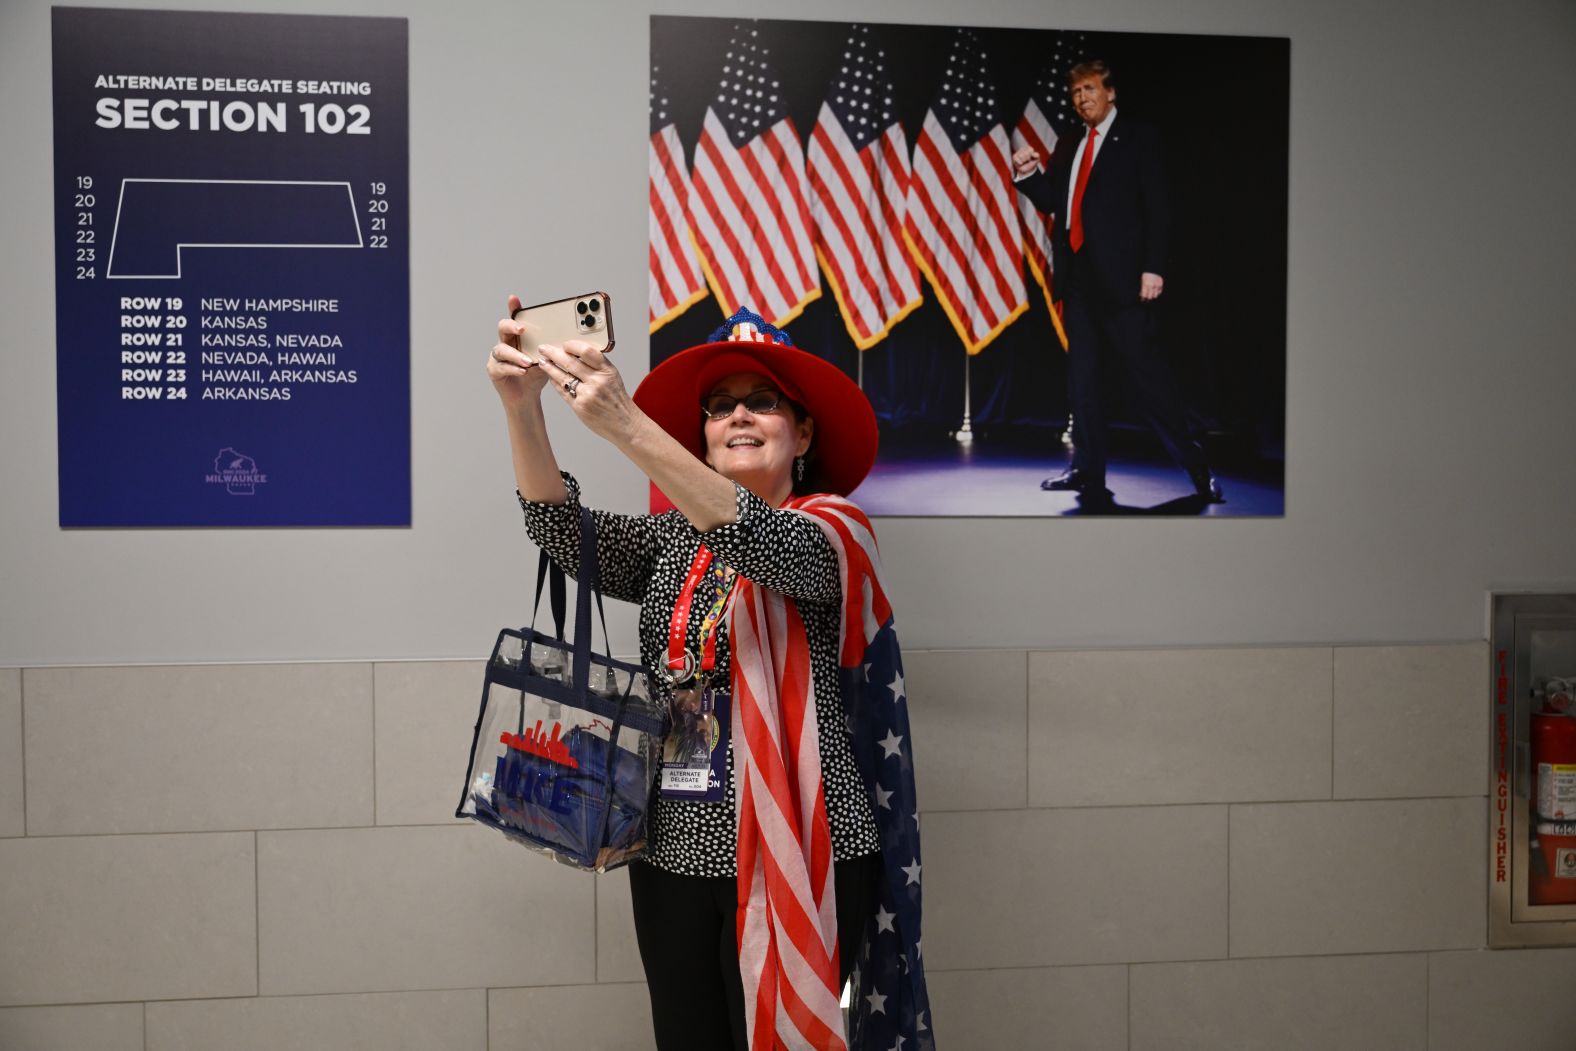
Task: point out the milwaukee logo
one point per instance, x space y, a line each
533 743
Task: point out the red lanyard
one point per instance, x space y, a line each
681 661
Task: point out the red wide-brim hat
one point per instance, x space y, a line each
845 424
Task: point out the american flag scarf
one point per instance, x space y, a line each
787 919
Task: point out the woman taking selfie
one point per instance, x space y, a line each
782 853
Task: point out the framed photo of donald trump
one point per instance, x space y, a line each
1054 260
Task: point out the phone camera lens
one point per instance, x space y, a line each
581 306
588 321
596 305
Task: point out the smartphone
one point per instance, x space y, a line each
587 317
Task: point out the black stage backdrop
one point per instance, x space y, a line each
1222 106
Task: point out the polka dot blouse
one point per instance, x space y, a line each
644 558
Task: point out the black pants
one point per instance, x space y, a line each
1105 336
687 930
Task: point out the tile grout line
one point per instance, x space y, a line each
1026 730
374 693
1129 1007
1077 808
1228 880
257 914
144 1025
456 823
1084 965
1428 1007
21 708
1332 722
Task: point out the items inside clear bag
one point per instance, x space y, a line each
567 780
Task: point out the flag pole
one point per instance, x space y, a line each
861 378
965 434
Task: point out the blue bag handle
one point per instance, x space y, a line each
588 585
547 571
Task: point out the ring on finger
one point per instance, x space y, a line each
572 386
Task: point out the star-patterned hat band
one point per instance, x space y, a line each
746 326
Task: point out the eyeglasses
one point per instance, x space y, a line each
759 402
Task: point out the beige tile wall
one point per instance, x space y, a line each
1417 701
1081 1007
100 918
1035 888
1133 727
968 715
617 955
12 817
1349 877
427 907
102 1027
1355 1003
198 748
1139 849
1518 999
425 713
454 1020
609 1017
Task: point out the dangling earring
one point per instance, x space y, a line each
798 468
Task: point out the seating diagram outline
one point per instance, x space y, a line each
181 246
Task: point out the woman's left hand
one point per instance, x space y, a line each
591 386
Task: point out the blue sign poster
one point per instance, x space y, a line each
232 269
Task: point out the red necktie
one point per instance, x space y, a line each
1075 223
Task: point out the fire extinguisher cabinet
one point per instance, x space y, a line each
1532 771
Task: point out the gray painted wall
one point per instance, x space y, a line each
1430 412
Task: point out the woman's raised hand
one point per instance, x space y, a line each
590 385
514 377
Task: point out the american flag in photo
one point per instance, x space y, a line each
675 283
962 221
859 175
1047 117
748 198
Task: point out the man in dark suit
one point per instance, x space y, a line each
1107 191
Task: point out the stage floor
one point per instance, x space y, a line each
988 478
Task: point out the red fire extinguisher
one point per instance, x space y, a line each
1553 734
